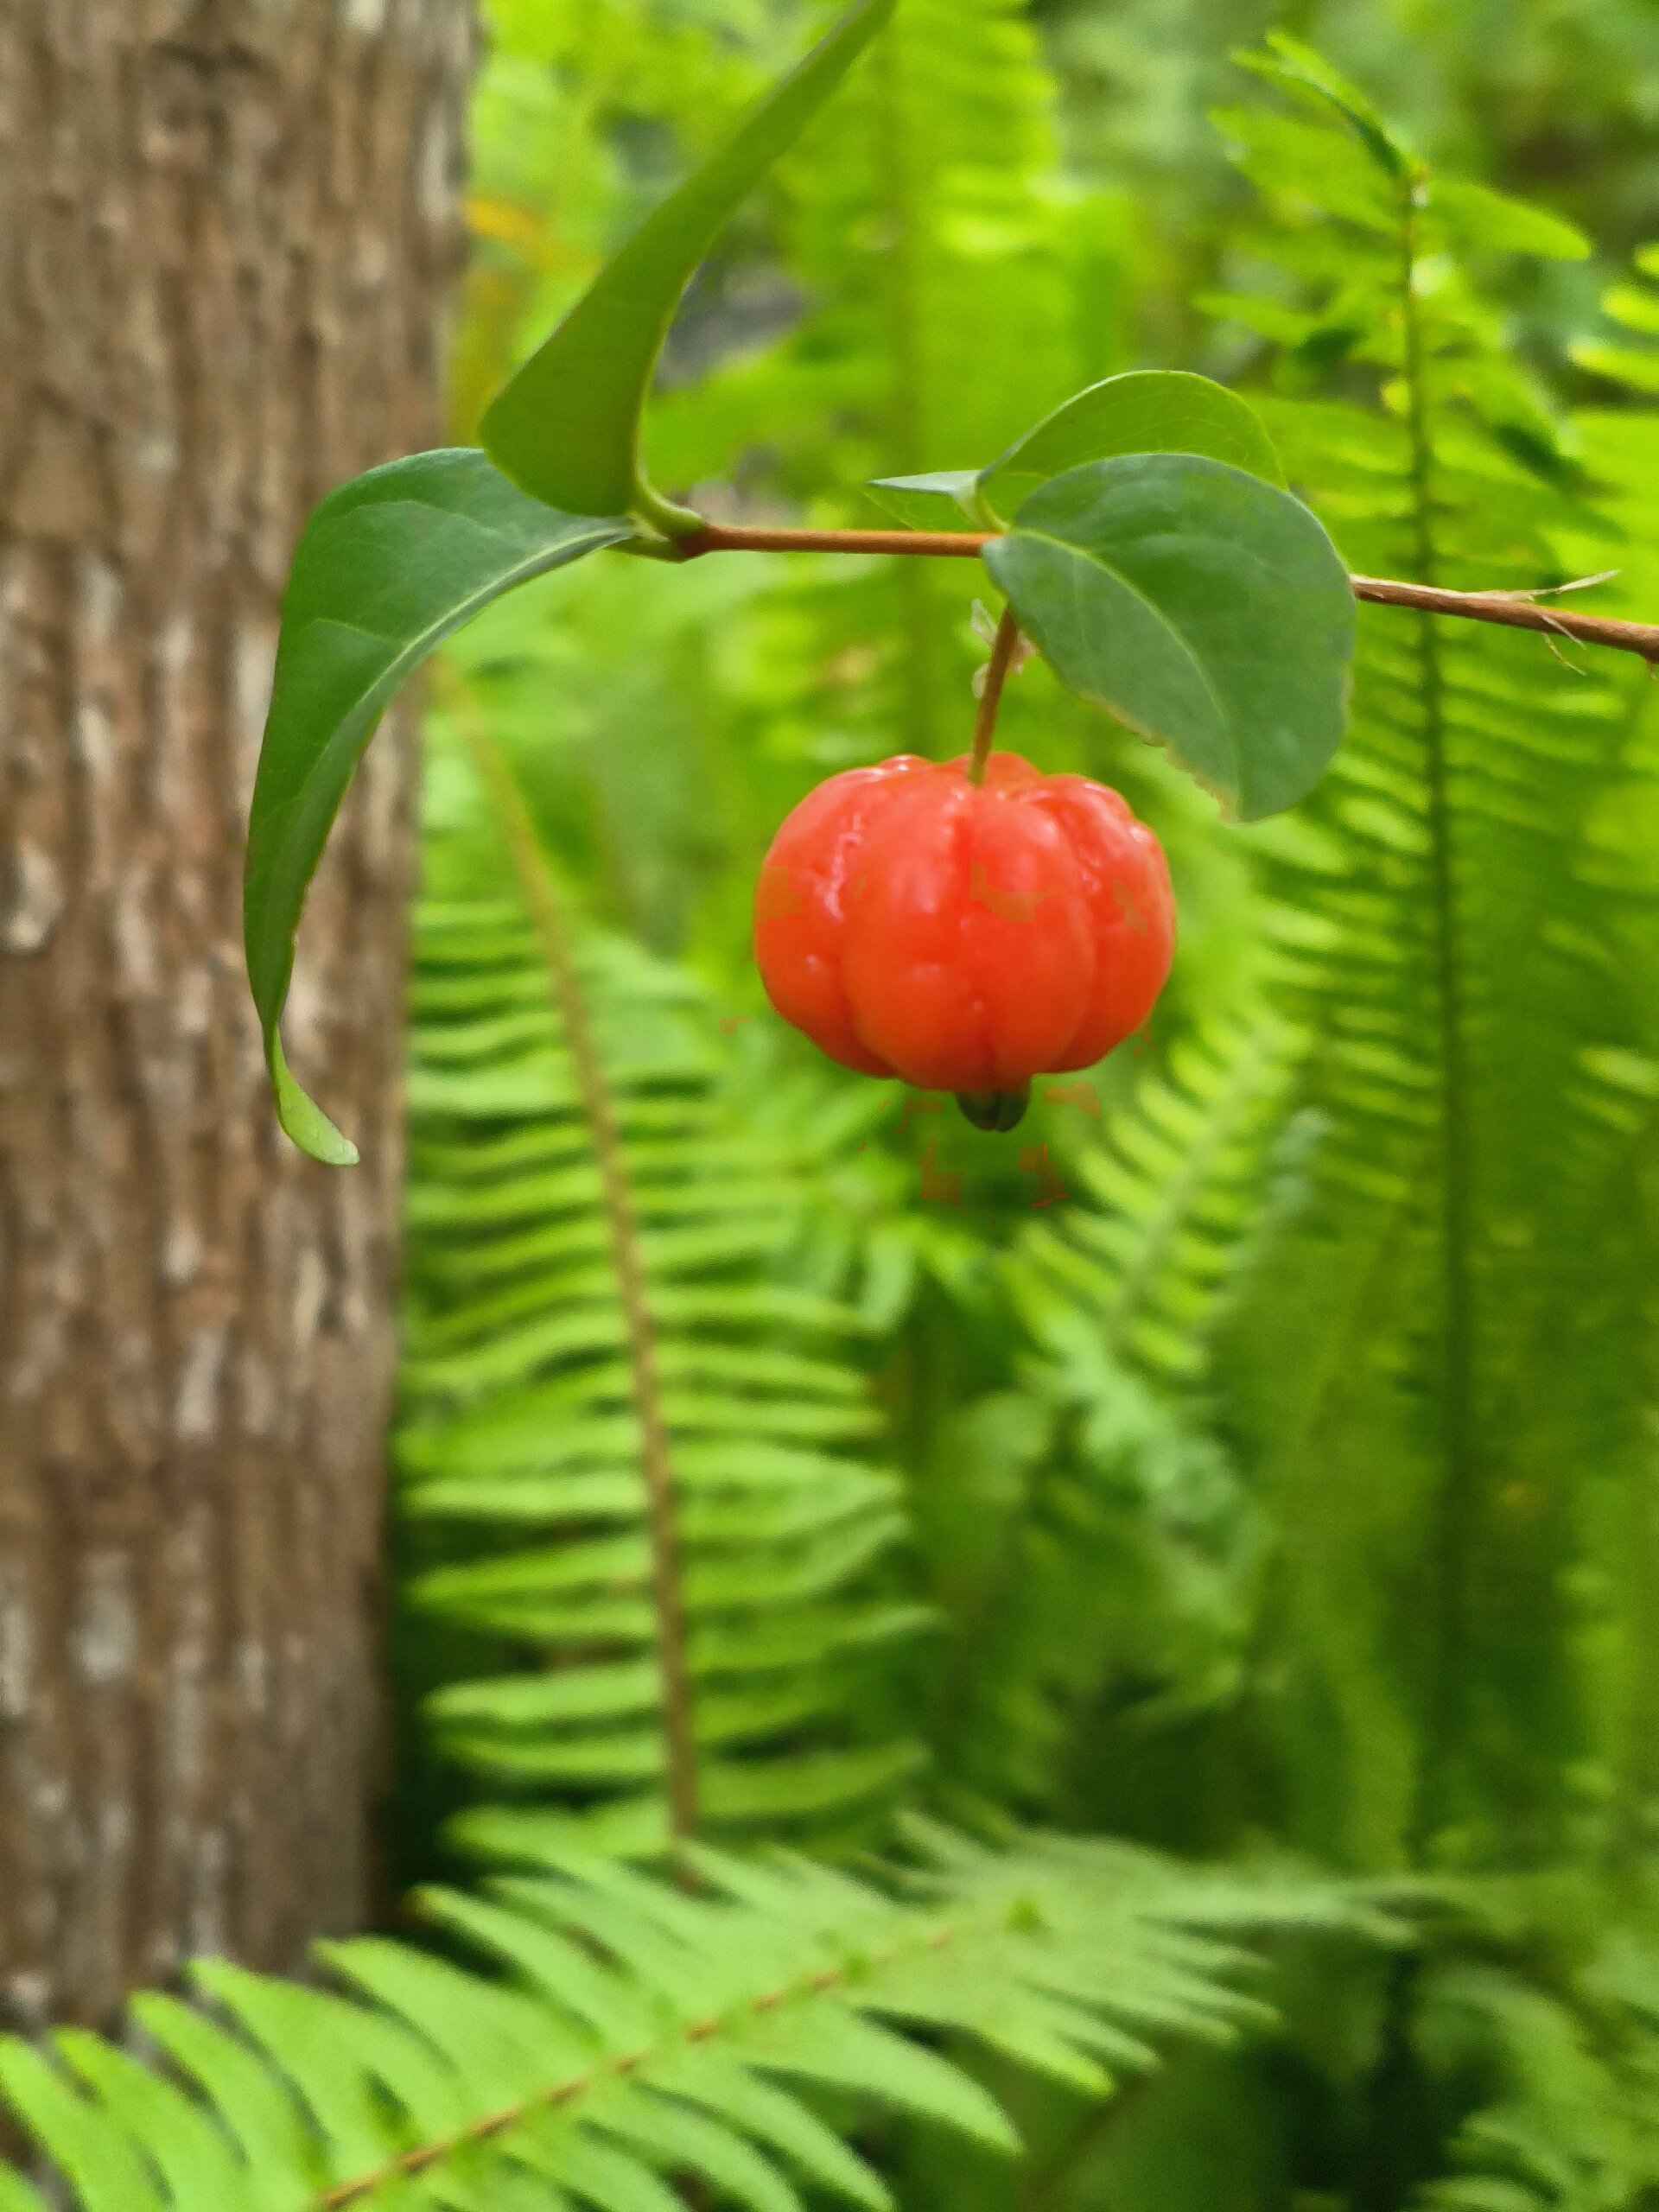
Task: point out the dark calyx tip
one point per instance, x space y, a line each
994 1110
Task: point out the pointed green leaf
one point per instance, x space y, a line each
1299 69
1206 609
806 1784
497 2039
559 1969
942 500
599 2175
712 2077
1619 363
99 2160
1635 306
1319 164
486 2180
18 2195
389 565
325 2049
1475 218
259 2113
676 2137
191 2153
1145 410
831 2045
567 426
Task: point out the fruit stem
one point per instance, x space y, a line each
1007 637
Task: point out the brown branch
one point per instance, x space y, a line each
428 2155
1515 613
1512 612
679 1750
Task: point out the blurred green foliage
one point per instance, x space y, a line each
1275 1411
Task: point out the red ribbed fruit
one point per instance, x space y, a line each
964 938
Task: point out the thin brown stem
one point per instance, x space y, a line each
679 1751
1512 611
990 699
733 537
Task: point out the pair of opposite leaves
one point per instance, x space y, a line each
1153 556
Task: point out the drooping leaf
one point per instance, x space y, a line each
1144 410
389 565
566 426
1207 610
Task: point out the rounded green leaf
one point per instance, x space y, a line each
1206 609
388 566
1144 410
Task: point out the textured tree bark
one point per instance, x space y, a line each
227 231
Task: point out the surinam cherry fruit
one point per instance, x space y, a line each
964 936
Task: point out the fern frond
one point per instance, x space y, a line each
1440 945
616 2035
1634 306
616 1407
1168 1198
1563 2082
1128 1494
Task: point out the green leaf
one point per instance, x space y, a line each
1319 164
835 2046
566 426
257 2111
1619 363
713 2078
1145 410
1207 610
675 2136
1477 218
606 2179
937 501
389 565
1635 306
17 2194
191 2152
100 2161
316 2041
1299 69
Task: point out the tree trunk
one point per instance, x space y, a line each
227 228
